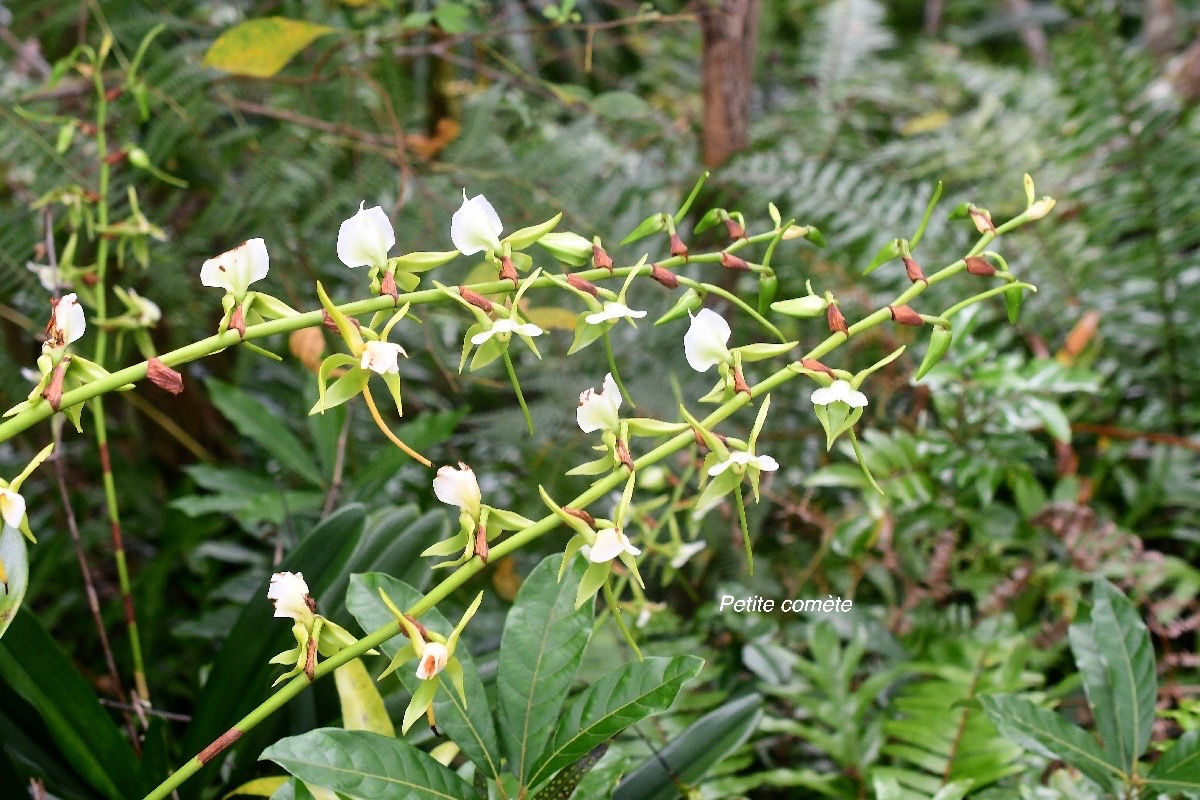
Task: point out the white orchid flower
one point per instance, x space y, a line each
685 553
506 326
839 391
365 239
704 344
476 226
382 357
613 311
12 508
598 410
67 322
458 487
289 592
235 270
434 658
148 312
743 458
47 275
610 544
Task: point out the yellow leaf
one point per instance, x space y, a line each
259 787
444 753
261 47
926 123
362 705
550 318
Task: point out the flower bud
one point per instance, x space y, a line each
816 366
138 157
837 322
678 248
982 219
579 513
584 285
980 266
163 376
689 302
736 231
1040 209
803 307
939 343
1012 303
569 248
600 258
664 276
913 269
730 261
475 299
905 315
768 285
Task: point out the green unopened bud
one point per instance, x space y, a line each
808 306
939 343
713 217
691 301
520 239
768 285
651 224
1012 302
66 135
889 251
569 248
138 157
1040 209
421 262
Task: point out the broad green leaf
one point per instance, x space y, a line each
618 700
569 778
34 667
1092 669
1047 733
1178 769
1124 644
362 705
241 674
540 650
14 574
258 423
259 48
694 752
366 766
470 727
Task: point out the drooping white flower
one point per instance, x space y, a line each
47 275
685 552
476 226
289 592
382 357
705 342
147 311
12 508
365 239
235 270
839 390
67 323
598 410
610 543
434 658
611 311
458 487
506 326
744 458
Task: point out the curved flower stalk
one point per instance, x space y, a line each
706 344
364 241
478 524
436 655
60 368
728 468
315 634
370 352
234 271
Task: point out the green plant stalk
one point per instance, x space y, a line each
97 404
598 490
611 600
512 376
612 367
741 509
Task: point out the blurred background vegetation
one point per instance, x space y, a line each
1035 458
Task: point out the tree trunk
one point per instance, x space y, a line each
729 29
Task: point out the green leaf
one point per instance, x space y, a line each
241 674
694 752
365 765
540 650
259 48
618 700
262 425
470 726
33 666
621 106
1047 733
1178 769
1124 645
14 574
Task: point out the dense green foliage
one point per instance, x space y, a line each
1024 595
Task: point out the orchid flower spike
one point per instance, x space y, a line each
476 227
705 343
365 239
839 391
598 411
236 269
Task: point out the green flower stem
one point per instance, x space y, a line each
615 608
741 509
512 376
737 301
612 367
1008 287
99 423
521 538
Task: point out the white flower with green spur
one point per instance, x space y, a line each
236 269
